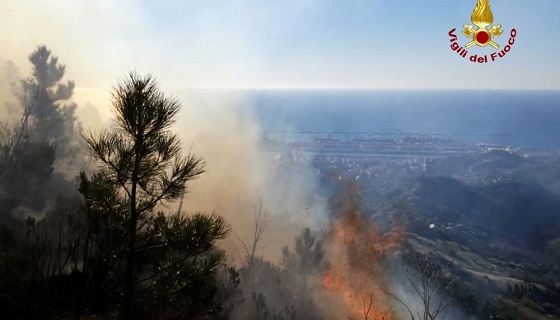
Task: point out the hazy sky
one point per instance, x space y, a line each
283 43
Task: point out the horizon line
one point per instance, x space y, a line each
337 88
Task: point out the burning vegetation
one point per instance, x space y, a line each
105 246
356 256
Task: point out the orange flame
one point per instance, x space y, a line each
356 255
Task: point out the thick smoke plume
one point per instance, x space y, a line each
241 175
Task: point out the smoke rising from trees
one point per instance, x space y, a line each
241 174
295 253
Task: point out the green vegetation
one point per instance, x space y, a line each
96 241
102 247
142 160
99 244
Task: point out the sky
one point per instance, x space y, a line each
351 44
319 44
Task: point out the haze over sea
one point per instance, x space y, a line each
527 119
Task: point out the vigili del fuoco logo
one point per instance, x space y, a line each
483 34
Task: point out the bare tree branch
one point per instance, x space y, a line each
431 286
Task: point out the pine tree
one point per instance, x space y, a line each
48 110
175 253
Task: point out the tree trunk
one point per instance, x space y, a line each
131 255
130 263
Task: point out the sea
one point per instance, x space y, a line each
524 119
515 118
